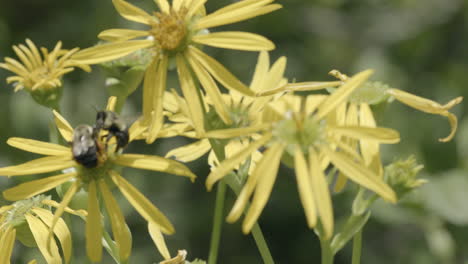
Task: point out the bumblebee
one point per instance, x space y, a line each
84 146
114 125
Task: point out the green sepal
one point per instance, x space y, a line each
350 228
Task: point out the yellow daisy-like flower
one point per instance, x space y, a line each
40 75
303 128
29 221
95 181
175 33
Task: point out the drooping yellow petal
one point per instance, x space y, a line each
109 51
360 174
118 34
7 240
31 188
263 167
211 89
236 132
154 163
158 240
304 186
342 93
431 107
188 89
229 164
39 147
370 149
379 134
232 14
218 71
191 151
41 165
144 207
157 100
131 12
121 233
61 231
235 40
321 193
93 225
40 233
263 188
63 126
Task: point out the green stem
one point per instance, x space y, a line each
357 247
327 254
217 222
110 246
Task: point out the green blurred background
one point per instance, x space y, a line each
416 45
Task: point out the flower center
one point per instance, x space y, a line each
170 32
299 130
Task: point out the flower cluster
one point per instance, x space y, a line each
328 139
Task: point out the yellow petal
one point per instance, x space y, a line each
158 240
154 163
431 107
304 186
191 151
233 14
144 207
63 126
229 164
40 233
321 193
235 40
121 34
157 99
136 129
194 7
39 147
93 225
342 93
311 86
261 71
370 149
263 188
131 12
31 188
236 132
120 231
188 89
7 240
379 134
360 174
41 165
61 231
275 75
263 167
64 204
211 89
163 5
109 51
218 71
80 213
111 102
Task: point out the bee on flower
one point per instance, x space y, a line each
40 74
176 34
303 129
94 178
29 221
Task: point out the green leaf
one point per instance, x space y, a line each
351 227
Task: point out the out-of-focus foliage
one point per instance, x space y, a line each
414 45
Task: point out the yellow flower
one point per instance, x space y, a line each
176 33
29 221
40 75
94 181
242 110
303 128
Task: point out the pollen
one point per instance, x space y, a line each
170 31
